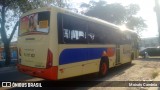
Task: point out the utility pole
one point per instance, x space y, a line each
157 10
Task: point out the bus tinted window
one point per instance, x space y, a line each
101 34
36 22
73 29
94 34
127 37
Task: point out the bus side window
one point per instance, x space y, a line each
60 28
127 39
66 38
90 37
74 30
123 39
93 33
100 34
113 37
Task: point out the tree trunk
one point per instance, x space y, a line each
7 53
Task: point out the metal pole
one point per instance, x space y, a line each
157 10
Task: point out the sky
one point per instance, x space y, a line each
146 12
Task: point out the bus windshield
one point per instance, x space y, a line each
35 23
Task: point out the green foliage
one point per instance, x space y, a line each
58 3
7 16
132 9
154 74
115 13
136 23
11 10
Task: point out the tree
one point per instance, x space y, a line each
6 8
132 21
59 3
136 23
115 13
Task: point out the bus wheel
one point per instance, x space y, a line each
103 70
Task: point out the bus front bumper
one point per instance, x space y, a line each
49 73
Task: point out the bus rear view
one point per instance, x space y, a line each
35 56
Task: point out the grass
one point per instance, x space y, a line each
154 74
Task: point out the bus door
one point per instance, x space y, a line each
118 56
126 49
126 53
122 53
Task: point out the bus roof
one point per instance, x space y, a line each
84 17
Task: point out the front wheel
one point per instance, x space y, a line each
103 70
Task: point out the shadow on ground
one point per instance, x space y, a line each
12 74
85 81
156 59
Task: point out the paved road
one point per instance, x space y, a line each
11 74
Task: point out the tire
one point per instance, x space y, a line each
132 58
104 67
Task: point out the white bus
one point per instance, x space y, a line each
55 43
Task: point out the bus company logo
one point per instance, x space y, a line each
6 84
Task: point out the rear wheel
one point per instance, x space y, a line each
103 70
132 56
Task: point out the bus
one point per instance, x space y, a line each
134 42
55 43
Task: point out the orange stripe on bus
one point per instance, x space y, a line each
110 52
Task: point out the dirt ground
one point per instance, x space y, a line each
139 70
